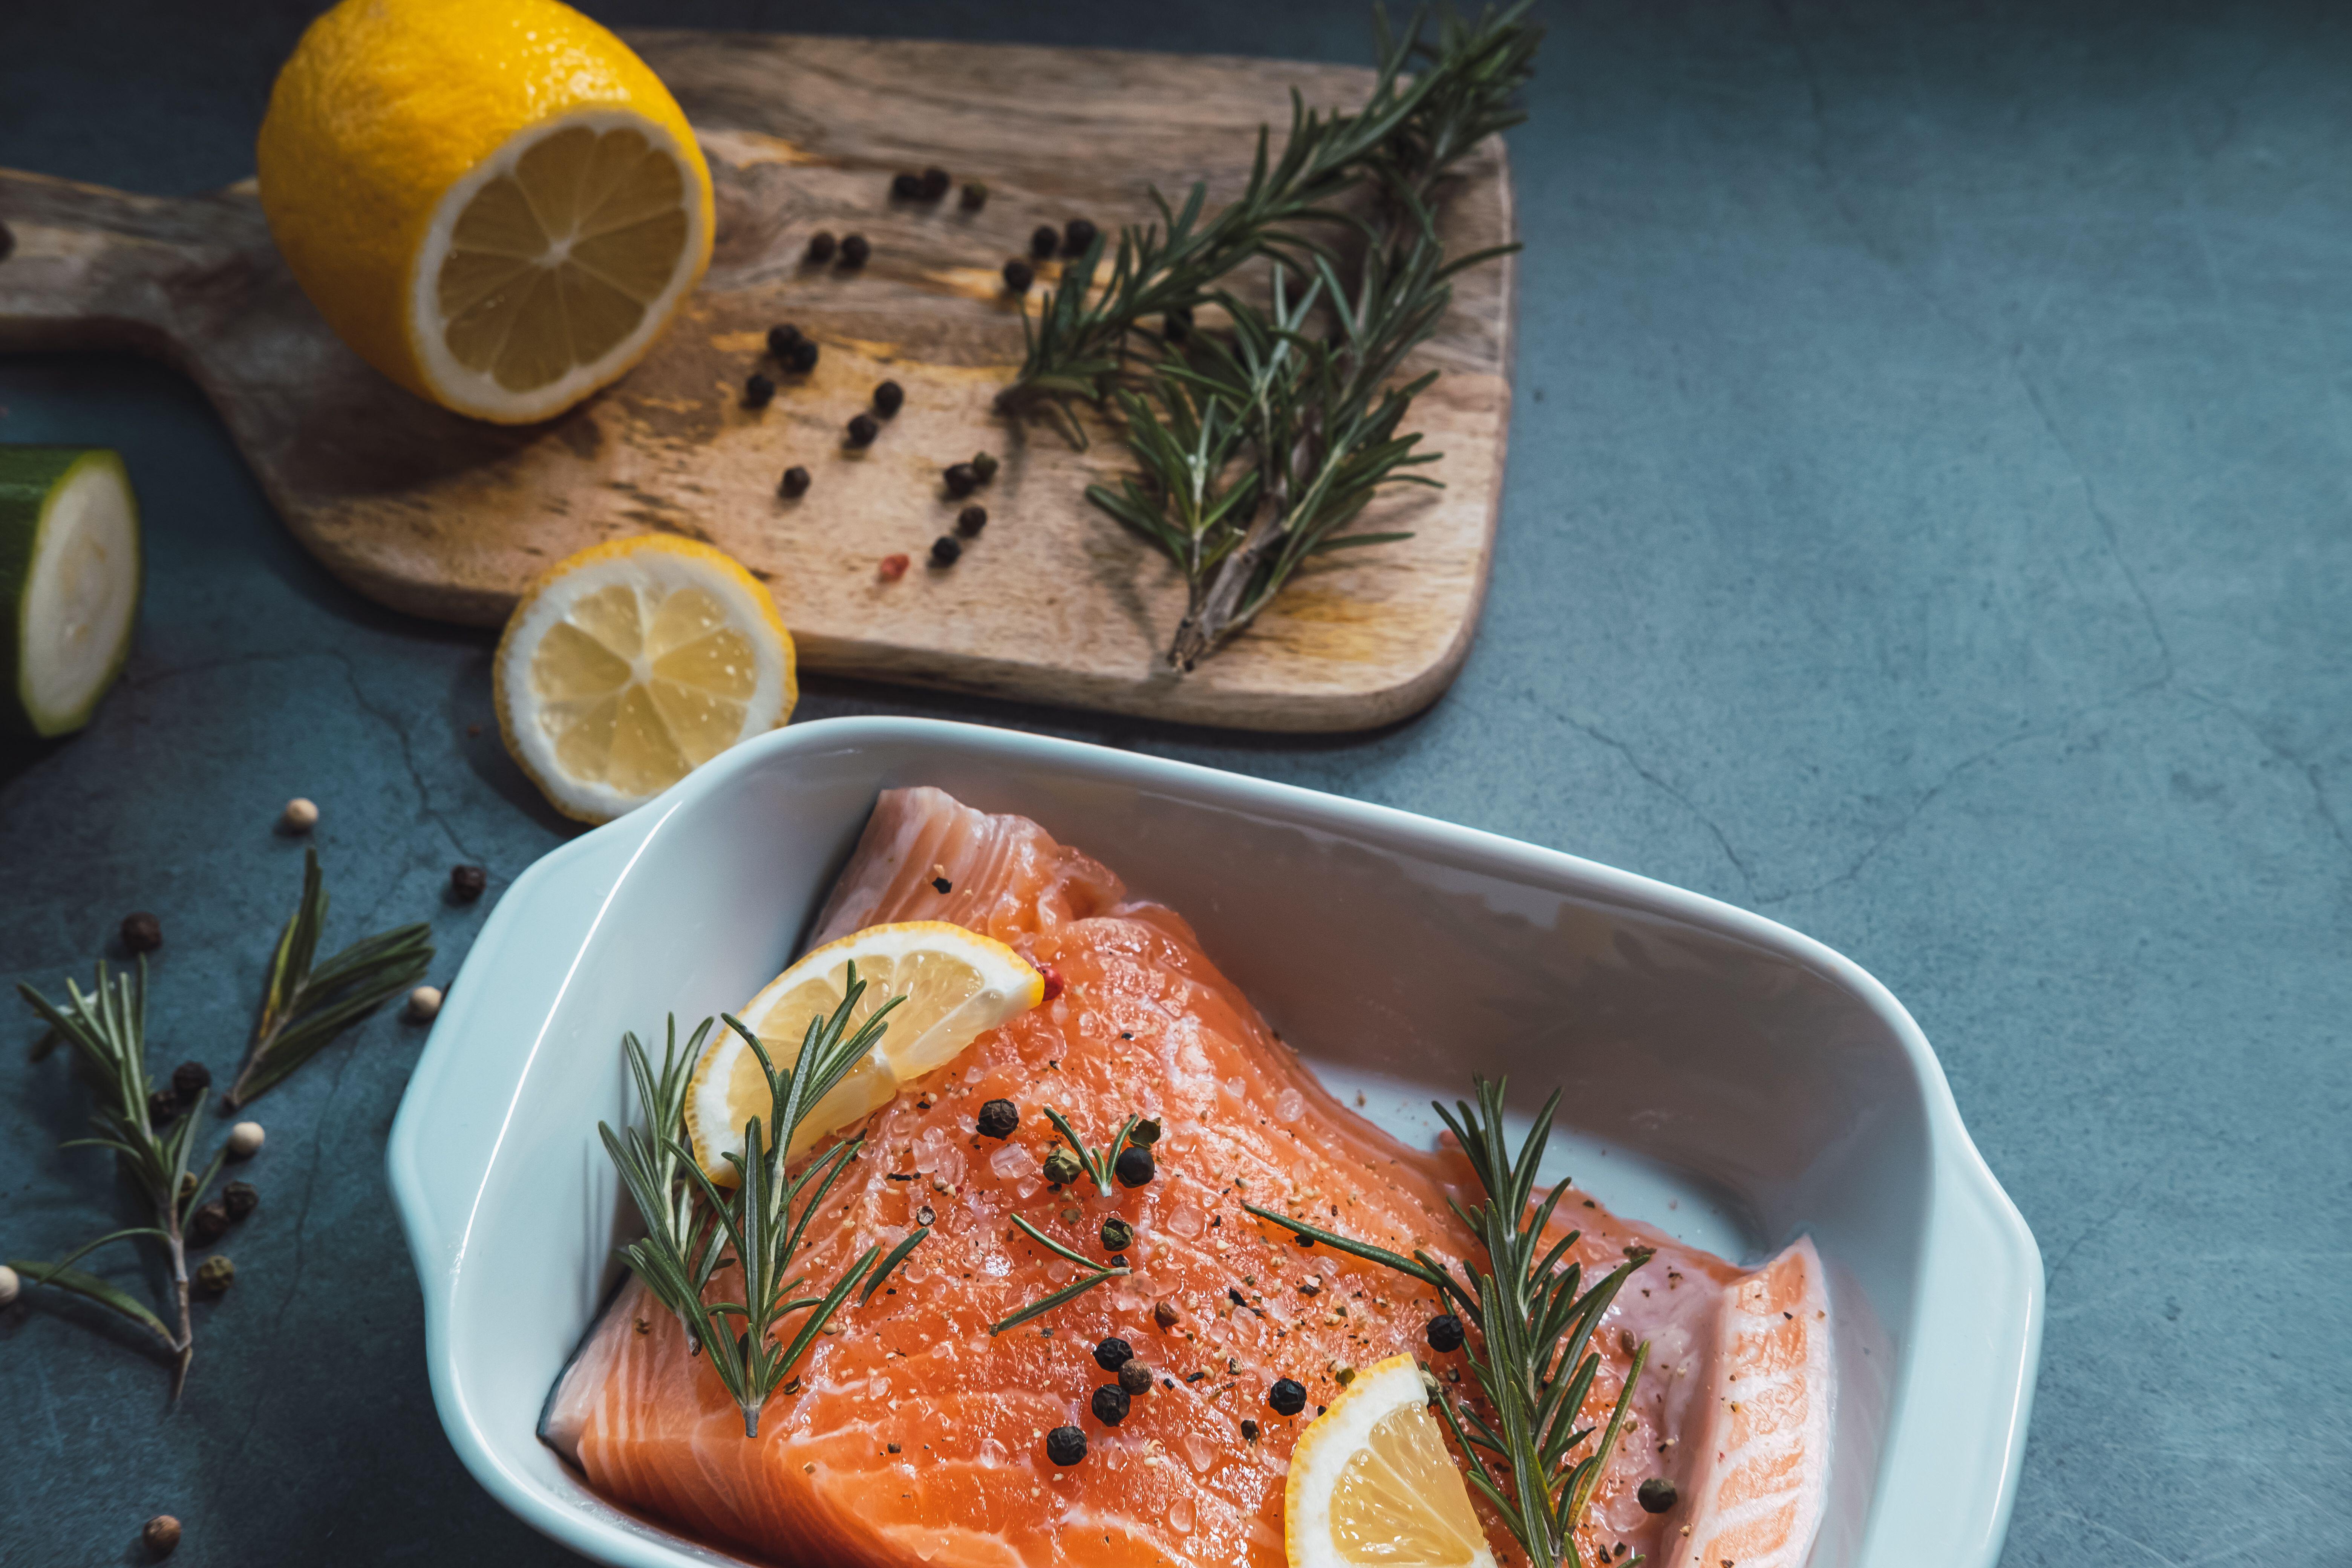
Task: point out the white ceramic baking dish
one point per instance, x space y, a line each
1727 1078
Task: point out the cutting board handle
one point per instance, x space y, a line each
82 266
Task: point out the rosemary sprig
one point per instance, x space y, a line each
652 1166
1408 132
757 1227
1259 446
108 1031
1096 1274
303 1008
1096 1165
1534 1320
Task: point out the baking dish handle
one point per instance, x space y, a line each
510 981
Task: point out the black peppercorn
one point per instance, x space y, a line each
1065 1444
985 465
906 187
926 1217
190 1080
209 1224
1019 275
1286 1397
862 430
804 356
1118 1260
1134 1168
933 184
1117 1235
854 250
962 480
1061 1167
239 1199
888 398
142 932
997 1118
795 482
1146 1131
971 519
758 391
1113 1354
1657 1494
467 882
1176 325
820 247
975 196
1444 1332
1135 1378
1042 243
781 340
162 1106
1077 234
1109 1404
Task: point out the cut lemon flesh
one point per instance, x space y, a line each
1372 1484
494 202
956 985
548 269
631 664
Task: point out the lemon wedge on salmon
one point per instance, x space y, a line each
630 664
493 202
1372 1484
956 985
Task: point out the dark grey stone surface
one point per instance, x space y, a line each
1926 524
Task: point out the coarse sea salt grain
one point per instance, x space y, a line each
1185 1220
1012 1162
1179 1515
1289 1105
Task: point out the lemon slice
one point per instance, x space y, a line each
1373 1485
630 664
493 201
957 986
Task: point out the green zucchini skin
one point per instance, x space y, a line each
29 477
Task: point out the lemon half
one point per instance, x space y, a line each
493 202
1372 1484
957 986
629 665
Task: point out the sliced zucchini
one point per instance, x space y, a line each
69 571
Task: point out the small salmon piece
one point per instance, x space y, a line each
913 1436
1761 1432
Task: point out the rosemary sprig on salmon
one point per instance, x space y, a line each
758 1228
1096 1274
1535 1323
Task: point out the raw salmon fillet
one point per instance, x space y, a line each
913 1436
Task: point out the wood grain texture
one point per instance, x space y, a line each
443 517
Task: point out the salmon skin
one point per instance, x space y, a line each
913 1436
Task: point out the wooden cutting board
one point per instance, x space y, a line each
443 517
